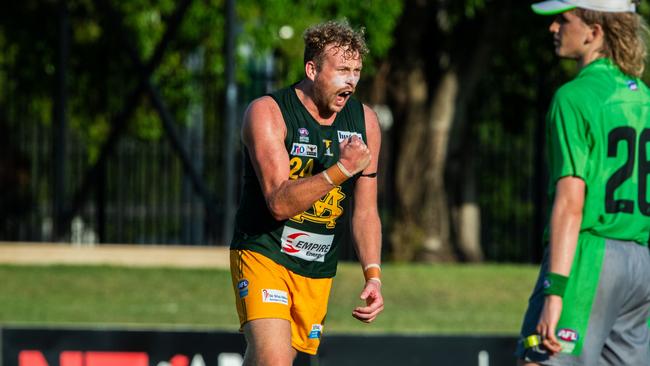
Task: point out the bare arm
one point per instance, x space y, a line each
263 133
366 226
566 218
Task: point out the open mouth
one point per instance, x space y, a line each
342 97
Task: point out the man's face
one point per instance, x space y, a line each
570 35
336 79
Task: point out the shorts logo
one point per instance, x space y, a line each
242 286
316 331
303 134
306 245
308 150
567 335
275 296
567 338
346 134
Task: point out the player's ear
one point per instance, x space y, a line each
595 34
311 70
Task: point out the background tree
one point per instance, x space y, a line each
467 83
463 78
101 77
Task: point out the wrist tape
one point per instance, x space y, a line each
372 272
336 174
345 171
555 284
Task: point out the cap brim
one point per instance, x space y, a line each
551 7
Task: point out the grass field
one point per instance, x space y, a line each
431 299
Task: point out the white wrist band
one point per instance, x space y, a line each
371 265
345 171
327 178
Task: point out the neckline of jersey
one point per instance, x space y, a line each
601 63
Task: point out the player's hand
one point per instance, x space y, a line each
548 323
371 294
355 155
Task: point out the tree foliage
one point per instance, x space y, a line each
101 74
467 81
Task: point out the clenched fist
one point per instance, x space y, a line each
355 155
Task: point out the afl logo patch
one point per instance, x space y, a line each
567 335
303 134
632 85
242 286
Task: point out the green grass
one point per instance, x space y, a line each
440 299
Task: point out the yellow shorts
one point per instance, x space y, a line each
265 289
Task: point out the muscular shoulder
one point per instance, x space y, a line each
263 115
263 108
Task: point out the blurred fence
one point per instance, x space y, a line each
512 190
144 196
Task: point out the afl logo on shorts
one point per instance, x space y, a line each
242 286
316 331
567 335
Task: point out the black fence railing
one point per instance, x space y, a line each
143 195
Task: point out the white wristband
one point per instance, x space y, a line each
345 171
327 178
371 265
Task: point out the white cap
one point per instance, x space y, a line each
552 7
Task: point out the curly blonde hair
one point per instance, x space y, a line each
339 34
626 36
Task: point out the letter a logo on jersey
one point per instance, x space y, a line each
324 211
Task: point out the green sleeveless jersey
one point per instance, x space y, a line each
598 129
309 242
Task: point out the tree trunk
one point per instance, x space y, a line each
428 83
421 227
